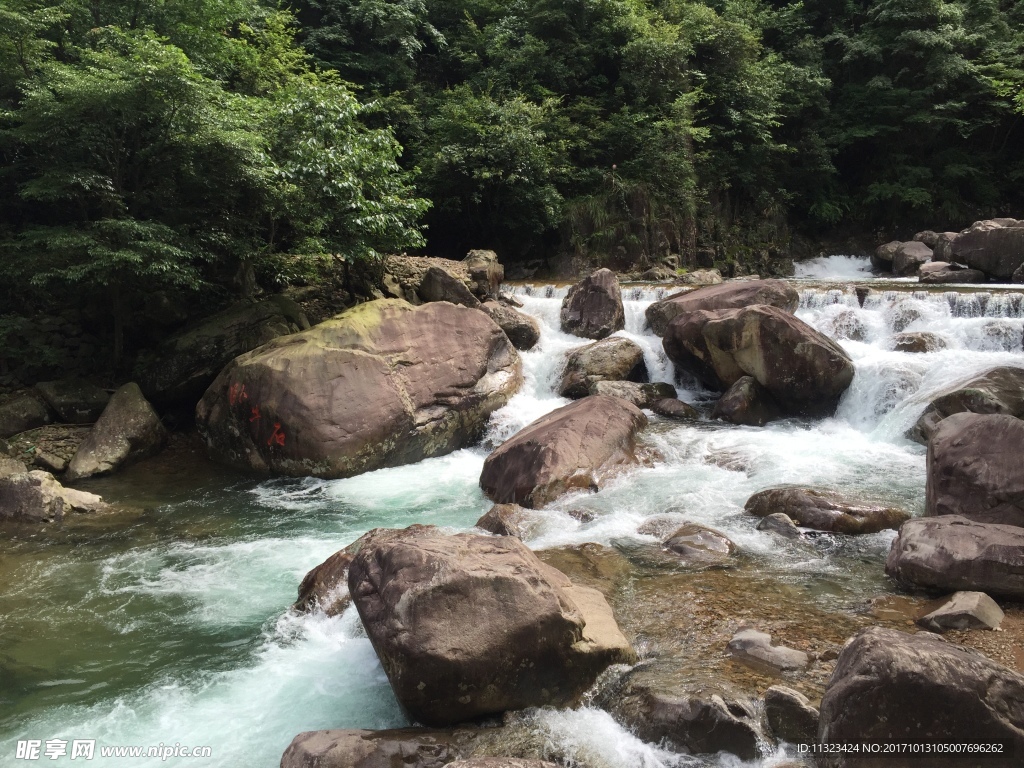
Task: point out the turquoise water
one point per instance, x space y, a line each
169 623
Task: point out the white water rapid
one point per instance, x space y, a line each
175 628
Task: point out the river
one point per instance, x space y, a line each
169 623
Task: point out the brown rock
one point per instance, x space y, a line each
825 510
790 715
405 747
975 469
572 447
36 497
467 626
882 258
999 390
748 403
909 257
946 272
500 762
918 342
889 687
964 610
756 649
700 545
127 431
997 251
731 295
780 523
438 285
522 330
485 273
593 307
381 385
614 359
640 395
952 553
506 520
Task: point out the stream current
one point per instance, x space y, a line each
169 623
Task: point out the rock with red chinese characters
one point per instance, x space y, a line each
381 385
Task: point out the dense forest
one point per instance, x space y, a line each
206 149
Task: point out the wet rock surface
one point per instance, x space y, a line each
593 307
755 648
325 588
467 626
747 403
614 359
964 610
730 295
999 390
640 395
507 520
573 447
790 715
522 330
673 408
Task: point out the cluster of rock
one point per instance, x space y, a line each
987 250
743 339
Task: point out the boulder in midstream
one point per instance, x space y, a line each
998 390
613 359
825 510
593 307
732 295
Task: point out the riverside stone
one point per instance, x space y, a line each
790 715
890 687
909 257
593 307
975 468
952 553
997 251
780 523
573 447
381 385
36 497
700 545
825 510
468 626
673 408
127 431
776 293
438 285
325 588
76 401
506 520
964 610
522 330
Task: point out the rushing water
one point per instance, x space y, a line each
169 623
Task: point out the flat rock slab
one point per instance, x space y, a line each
964 610
572 448
952 553
755 648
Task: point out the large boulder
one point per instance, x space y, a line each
485 273
468 626
975 469
593 307
747 403
128 430
943 248
825 510
733 295
890 688
405 747
998 390
522 330
614 359
882 258
909 257
571 448
938 272
804 371
439 285
951 553
187 363
997 251
381 385
22 412
790 715
36 497
325 588
75 401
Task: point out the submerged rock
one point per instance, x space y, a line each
998 390
777 293
614 359
780 523
325 588
964 610
593 307
756 649
825 510
381 385
890 687
522 330
467 626
975 468
919 342
700 545
128 430
952 553
573 447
